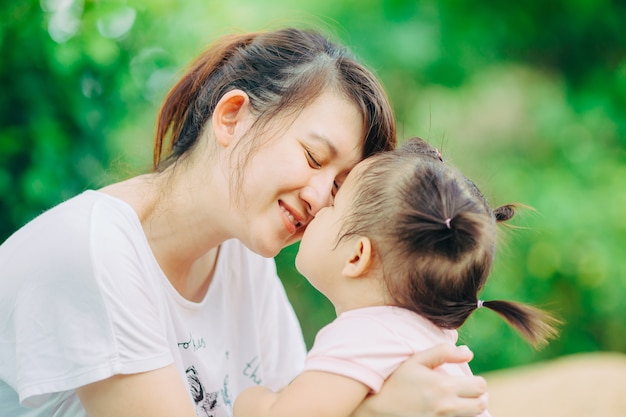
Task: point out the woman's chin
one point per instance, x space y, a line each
296 237
268 249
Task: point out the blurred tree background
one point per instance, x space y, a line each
527 98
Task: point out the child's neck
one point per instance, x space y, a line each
360 293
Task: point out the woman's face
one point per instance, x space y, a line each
295 174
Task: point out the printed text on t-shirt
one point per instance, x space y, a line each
194 343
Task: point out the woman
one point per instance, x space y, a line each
130 299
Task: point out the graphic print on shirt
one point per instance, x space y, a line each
206 402
251 370
226 395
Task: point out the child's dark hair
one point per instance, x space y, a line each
430 224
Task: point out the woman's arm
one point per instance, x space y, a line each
158 393
416 390
311 394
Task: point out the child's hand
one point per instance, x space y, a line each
416 390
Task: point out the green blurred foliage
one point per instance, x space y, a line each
527 98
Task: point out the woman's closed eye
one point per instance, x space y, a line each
315 164
312 161
336 186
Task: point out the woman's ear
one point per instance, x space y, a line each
360 258
231 117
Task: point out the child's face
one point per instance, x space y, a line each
320 259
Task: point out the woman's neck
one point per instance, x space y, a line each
194 284
184 233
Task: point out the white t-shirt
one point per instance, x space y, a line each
82 298
368 344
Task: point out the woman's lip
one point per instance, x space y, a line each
291 228
290 218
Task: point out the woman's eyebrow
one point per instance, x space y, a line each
326 143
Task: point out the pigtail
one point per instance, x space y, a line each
535 325
504 213
460 233
174 116
441 222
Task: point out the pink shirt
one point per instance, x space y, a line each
368 344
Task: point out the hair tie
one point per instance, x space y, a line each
448 220
479 303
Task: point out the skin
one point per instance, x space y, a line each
287 181
345 272
189 210
414 390
197 213
334 269
340 269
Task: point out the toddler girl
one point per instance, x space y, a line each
402 254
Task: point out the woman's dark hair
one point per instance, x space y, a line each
281 71
434 234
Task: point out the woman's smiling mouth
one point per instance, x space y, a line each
290 219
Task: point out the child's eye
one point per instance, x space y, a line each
312 161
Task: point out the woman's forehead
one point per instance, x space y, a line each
336 122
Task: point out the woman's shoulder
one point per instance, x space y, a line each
71 229
110 215
76 213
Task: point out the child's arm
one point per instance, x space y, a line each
311 394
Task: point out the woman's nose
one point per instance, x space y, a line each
318 193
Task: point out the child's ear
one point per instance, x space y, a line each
230 115
360 258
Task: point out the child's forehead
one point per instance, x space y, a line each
352 180
355 173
